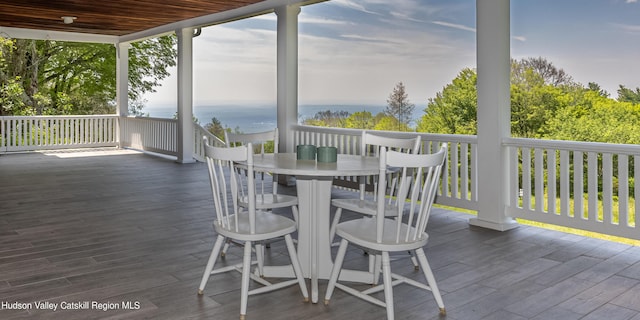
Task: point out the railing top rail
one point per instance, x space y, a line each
151 118
60 117
629 149
395 134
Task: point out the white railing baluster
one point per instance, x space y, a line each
551 181
526 178
607 188
464 170
623 190
454 170
592 186
514 186
578 186
539 179
565 192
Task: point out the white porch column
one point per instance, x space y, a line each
287 74
494 113
122 79
185 96
122 84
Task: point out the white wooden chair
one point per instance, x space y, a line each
417 185
265 199
370 145
244 224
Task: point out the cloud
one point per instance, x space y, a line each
352 5
632 1
367 39
314 20
403 16
454 26
519 38
630 28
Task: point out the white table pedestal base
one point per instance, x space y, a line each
314 248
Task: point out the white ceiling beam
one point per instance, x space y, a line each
20 33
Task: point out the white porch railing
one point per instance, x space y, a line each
161 136
459 184
544 177
589 186
150 134
199 132
25 133
30 133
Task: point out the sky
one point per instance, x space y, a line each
356 51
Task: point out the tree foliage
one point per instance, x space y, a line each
54 77
453 111
328 118
596 119
361 120
627 95
545 103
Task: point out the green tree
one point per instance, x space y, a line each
361 120
596 119
399 106
596 88
216 128
453 111
328 118
550 74
538 90
389 123
79 78
628 95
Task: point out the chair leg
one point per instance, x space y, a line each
246 270
376 267
225 248
431 280
294 211
296 267
388 285
416 266
334 223
337 266
212 261
260 258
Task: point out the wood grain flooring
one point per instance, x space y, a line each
129 233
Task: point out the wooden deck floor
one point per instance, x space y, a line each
112 228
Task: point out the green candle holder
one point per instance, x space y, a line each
327 154
306 152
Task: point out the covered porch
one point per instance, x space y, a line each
122 228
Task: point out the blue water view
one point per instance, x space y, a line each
256 118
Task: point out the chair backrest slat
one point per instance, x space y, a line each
417 187
257 139
370 145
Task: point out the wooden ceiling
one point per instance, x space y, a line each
108 17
